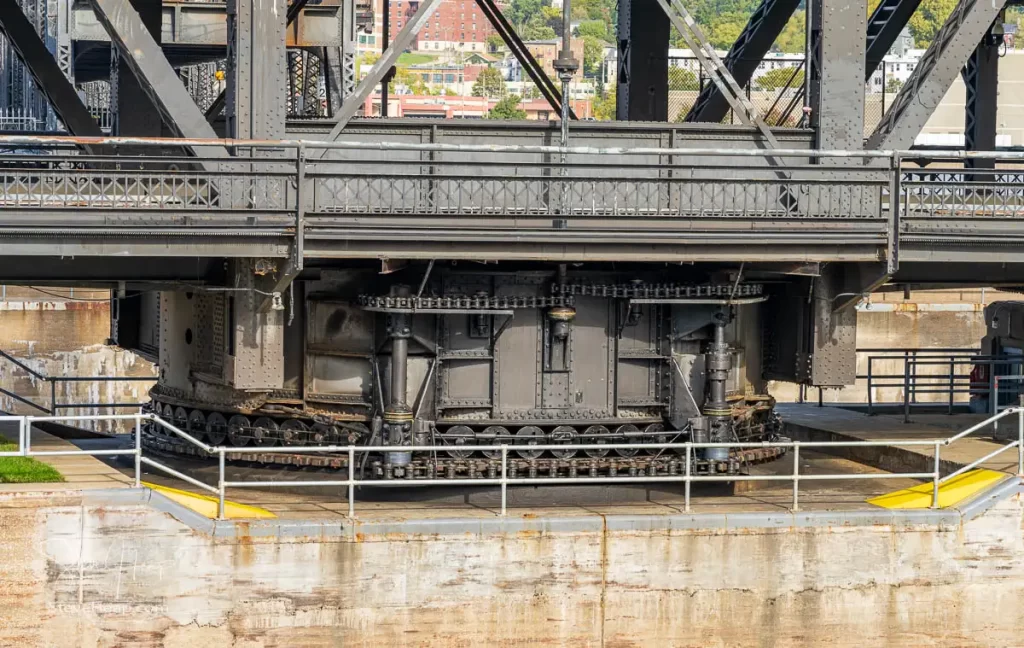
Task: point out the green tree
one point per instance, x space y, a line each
595 28
794 34
780 78
536 28
494 43
519 12
411 80
928 19
593 54
682 79
489 84
604 107
507 108
893 85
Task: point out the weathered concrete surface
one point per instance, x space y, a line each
80 574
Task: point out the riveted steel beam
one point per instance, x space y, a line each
935 73
838 45
143 55
47 73
884 27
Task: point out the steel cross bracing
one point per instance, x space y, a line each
764 26
712 64
935 73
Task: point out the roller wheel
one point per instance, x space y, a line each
294 432
265 433
651 435
498 432
324 434
239 431
595 429
197 425
529 436
216 428
459 435
563 434
627 434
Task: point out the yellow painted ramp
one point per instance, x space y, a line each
207 506
951 492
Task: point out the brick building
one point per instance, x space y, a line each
456 26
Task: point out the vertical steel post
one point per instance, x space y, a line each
351 481
27 422
871 399
906 387
1020 440
504 478
689 456
138 450
952 371
796 476
22 435
935 478
53 395
993 389
220 484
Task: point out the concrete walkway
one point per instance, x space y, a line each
81 472
807 422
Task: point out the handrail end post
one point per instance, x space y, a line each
220 485
935 477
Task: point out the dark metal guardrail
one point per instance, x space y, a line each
55 406
290 191
945 371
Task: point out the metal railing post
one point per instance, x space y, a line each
906 388
913 377
53 396
871 399
351 481
27 421
796 476
22 436
689 455
952 372
220 484
993 389
935 480
1020 440
138 450
504 479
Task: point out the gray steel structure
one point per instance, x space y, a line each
411 283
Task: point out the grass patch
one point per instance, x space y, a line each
25 470
408 58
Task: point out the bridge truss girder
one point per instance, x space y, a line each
935 73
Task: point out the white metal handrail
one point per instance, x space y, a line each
504 481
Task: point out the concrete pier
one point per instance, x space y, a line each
118 568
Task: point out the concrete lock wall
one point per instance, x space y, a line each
85 575
928 320
65 336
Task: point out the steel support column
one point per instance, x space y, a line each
838 47
159 80
764 26
642 93
981 78
47 73
934 74
256 69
